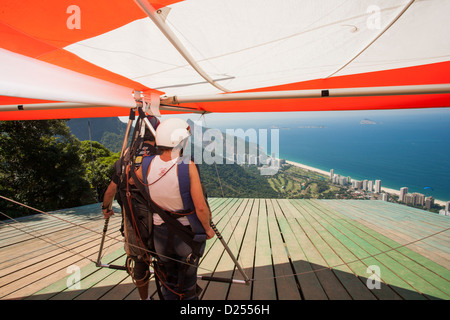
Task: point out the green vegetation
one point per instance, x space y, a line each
46 167
294 182
235 181
108 131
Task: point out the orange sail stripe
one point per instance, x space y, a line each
50 21
434 73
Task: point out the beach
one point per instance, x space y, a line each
387 190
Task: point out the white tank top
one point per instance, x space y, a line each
165 192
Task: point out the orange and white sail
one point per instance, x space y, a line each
83 58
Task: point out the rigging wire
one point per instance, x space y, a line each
88 229
406 7
359 259
42 237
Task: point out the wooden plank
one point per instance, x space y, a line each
403 227
336 255
310 286
328 244
339 243
59 290
40 243
264 284
225 265
420 277
329 281
48 271
392 274
246 255
285 281
213 248
52 247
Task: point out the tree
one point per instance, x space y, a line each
98 161
41 167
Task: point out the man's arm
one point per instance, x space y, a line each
108 198
201 207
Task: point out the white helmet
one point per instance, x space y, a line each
171 132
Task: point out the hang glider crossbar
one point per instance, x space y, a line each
314 93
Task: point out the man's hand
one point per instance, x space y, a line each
107 213
210 233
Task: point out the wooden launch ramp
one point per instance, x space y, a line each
290 249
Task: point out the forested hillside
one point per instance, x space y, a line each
42 166
108 131
49 166
235 181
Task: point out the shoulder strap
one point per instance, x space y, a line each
145 165
185 192
185 184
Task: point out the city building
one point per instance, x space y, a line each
377 186
429 202
365 184
403 193
370 186
419 199
415 199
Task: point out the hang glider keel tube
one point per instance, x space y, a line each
315 93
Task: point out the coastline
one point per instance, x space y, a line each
387 190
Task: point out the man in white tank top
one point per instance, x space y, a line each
164 190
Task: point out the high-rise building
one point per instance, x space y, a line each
419 199
365 184
343 181
359 184
377 186
416 199
331 174
447 207
370 186
429 202
403 193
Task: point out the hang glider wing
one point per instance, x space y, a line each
72 59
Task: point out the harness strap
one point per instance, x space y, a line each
185 193
185 234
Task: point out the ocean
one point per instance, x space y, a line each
402 148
